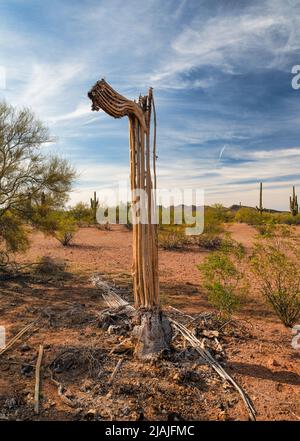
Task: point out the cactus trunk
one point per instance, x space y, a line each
260 207
94 206
294 203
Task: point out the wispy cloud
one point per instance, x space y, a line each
221 77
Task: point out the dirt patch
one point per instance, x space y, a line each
256 349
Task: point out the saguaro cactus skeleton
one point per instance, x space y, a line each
155 331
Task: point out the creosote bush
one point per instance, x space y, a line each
60 225
208 241
250 216
223 279
82 214
275 262
172 240
65 230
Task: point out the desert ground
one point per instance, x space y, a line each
82 355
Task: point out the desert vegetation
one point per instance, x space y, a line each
68 278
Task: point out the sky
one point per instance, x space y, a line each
228 116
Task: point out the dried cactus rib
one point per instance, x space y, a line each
115 301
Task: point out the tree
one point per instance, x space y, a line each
30 181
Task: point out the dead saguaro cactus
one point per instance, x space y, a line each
294 208
153 330
260 207
94 206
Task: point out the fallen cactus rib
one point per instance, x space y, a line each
115 301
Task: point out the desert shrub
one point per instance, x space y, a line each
48 265
287 218
224 280
208 241
275 262
222 214
212 221
66 228
266 230
249 216
13 234
82 213
60 225
172 240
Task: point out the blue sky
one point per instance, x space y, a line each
228 117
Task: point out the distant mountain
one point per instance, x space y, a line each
236 207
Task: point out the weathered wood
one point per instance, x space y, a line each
154 330
17 337
37 380
145 248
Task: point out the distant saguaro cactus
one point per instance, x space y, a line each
260 207
294 203
94 206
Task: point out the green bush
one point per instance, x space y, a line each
223 280
172 240
212 221
275 262
13 234
66 228
208 241
287 218
60 225
82 213
250 216
222 214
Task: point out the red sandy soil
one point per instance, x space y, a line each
264 364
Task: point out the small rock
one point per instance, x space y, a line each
279 387
25 348
273 363
26 369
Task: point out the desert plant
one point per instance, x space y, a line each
275 263
294 203
59 224
27 176
224 280
172 240
259 208
249 216
212 221
82 214
265 229
48 265
222 213
94 206
208 241
13 234
65 230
